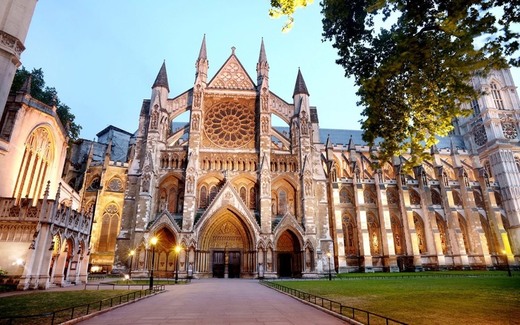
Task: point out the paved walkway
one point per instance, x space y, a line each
217 301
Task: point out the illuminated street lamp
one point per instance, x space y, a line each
177 251
131 254
330 275
153 242
507 263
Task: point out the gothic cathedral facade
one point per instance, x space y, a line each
244 198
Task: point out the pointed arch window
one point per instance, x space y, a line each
282 202
212 193
475 107
243 194
465 236
415 199
397 231
421 235
343 195
497 96
436 197
374 235
252 198
350 234
109 229
441 225
203 200
36 163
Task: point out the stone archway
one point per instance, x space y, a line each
226 247
165 257
289 255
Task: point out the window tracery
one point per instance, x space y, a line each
397 231
115 185
350 234
230 125
497 96
36 164
419 229
109 229
441 225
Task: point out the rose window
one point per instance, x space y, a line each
480 135
509 130
230 125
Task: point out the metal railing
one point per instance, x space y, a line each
67 314
359 315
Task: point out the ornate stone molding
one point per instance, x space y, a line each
11 44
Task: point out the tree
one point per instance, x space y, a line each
286 8
413 59
49 96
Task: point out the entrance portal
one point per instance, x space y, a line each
285 265
232 259
289 254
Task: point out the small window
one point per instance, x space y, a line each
475 107
497 97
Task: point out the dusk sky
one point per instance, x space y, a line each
103 56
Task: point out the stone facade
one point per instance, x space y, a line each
15 18
43 240
244 198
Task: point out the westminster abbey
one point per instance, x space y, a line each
230 195
243 198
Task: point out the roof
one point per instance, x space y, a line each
162 78
300 87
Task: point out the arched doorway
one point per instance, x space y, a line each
165 256
227 249
289 259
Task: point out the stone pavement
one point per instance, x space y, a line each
217 301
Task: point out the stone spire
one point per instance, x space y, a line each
262 67
262 57
300 87
202 53
202 64
162 78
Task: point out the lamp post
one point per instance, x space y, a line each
330 275
507 263
153 242
177 250
131 254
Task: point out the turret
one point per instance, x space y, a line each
301 104
159 98
160 87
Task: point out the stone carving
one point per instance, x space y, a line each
195 122
265 124
230 125
232 76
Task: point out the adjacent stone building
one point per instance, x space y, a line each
44 239
244 198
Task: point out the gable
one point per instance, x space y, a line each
232 75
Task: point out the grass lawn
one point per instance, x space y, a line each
416 299
42 302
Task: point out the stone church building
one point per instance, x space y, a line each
228 194
244 198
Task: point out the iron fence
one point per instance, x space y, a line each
67 314
359 315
